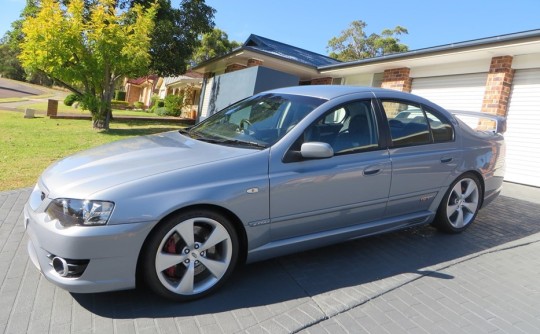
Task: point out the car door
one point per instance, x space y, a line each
319 195
424 155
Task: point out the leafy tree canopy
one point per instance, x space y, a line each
10 65
176 33
354 43
213 44
86 46
174 39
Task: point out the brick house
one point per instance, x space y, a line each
140 89
189 85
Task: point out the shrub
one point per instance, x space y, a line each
138 105
154 99
119 95
156 103
70 99
161 111
173 104
115 104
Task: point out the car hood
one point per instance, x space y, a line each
103 167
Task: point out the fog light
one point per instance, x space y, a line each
61 266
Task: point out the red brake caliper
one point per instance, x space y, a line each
171 249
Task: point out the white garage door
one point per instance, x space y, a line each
453 92
523 129
206 96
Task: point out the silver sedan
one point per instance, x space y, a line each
280 172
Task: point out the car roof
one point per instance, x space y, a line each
329 92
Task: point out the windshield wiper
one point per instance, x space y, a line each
243 142
231 142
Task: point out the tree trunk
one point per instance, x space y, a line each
103 115
101 123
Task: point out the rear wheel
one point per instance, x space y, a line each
190 255
460 205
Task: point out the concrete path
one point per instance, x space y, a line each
32 94
12 88
413 281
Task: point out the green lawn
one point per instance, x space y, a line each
28 146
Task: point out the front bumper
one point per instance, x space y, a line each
112 251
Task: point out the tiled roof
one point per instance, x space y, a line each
189 75
141 80
269 46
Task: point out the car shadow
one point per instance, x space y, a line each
315 272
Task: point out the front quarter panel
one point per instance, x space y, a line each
239 185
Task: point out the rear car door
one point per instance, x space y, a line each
423 152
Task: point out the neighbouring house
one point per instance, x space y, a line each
188 85
498 75
259 64
141 89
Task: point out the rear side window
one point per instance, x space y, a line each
441 128
411 125
408 124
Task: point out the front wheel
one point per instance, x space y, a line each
190 255
460 204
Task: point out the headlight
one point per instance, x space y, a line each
70 212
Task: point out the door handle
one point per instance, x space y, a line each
446 160
372 170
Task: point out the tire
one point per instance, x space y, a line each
460 204
190 255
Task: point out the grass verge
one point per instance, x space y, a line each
28 146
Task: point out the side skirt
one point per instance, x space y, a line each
321 239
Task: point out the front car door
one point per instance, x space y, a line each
313 197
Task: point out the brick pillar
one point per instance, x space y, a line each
498 86
234 67
322 81
254 62
398 79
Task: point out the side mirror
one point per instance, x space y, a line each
316 150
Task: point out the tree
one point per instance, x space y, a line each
213 44
176 34
354 43
86 46
10 65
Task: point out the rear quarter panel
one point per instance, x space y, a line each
484 152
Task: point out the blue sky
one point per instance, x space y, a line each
309 24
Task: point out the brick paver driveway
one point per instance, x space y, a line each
418 280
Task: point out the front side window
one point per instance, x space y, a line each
257 121
348 128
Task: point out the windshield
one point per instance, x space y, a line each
259 121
